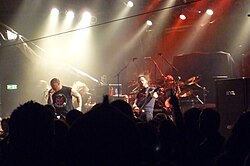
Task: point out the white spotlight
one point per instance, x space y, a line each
210 12
54 12
86 19
11 35
130 4
86 15
149 23
183 17
70 14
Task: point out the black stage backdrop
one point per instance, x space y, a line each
208 67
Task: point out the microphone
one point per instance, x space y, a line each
147 57
51 90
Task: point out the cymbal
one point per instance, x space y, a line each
192 80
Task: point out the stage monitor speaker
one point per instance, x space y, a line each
232 99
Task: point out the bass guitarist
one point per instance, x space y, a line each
145 99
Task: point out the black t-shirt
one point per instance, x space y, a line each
62 101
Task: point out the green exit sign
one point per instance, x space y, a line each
11 86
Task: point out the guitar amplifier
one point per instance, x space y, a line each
110 89
114 89
232 99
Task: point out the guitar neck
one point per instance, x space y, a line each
148 98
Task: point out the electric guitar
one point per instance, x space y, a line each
147 99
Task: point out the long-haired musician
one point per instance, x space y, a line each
87 98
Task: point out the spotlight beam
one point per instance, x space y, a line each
105 23
83 74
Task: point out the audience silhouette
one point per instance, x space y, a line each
72 116
237 147
109 134
31 131
103 136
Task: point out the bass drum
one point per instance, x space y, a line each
186 104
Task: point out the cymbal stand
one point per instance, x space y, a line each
198 98
205 91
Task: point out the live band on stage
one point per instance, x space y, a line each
187 92
144 93
146 97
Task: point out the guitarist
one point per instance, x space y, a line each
145 99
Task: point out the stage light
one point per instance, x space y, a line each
86 15
11 35
130 4
86 19
70 14
54 12
182 17
149 23
210 12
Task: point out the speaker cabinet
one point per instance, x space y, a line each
232 99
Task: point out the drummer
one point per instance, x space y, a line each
169 82
169 85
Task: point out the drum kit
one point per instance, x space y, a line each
187 91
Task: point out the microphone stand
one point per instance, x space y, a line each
175 69
118 77
157 66
171 65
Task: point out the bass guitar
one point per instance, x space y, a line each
137 111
